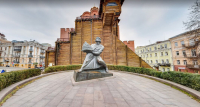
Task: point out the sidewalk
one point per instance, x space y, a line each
125 90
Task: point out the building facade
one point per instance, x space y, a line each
186 52
3 38
103 22
26 54
157 55
130 44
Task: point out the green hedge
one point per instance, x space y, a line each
186 79
8 78
61 68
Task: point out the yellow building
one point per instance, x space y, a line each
157 55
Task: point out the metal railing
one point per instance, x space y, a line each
16 62
30 49
16 56
193 66
190 45
42 52
42 57
17 50
30 56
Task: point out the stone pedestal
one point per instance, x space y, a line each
88 75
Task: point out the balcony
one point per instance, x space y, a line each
164 64
16 62
29 62
42 57
31 50
30 56
42 52
191 45
16 56
191 66
18 50
192 57
156 66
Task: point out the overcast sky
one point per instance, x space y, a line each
144 21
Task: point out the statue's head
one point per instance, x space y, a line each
98 40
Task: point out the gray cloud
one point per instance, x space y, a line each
141 20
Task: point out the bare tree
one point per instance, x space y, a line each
193 27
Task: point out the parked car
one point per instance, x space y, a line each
42 68
7 66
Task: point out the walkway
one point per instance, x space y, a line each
123 91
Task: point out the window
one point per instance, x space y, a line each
144 56
185 62
168 69
191 41
176 44
163 61
151 61
193 52
184 54
182 43
140 51
177 53
150 55
29 59
161 53
156 61
167 61
155 48
147 61
163 70
165 45
161 46
147 55
112 4
149 49
195 62
155 54
178 62
166 53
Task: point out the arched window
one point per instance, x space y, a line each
112 4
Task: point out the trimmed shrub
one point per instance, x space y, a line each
186 79
8 78
61 68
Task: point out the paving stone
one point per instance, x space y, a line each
125 90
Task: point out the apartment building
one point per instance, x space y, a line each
186 52
157 55
26 54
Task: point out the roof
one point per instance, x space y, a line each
182 33
101 5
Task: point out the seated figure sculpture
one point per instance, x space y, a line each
93 61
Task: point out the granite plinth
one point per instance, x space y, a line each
82 76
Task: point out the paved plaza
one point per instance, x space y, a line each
125 90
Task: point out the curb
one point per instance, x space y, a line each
7 90
184 88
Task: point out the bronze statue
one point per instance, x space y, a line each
93 61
